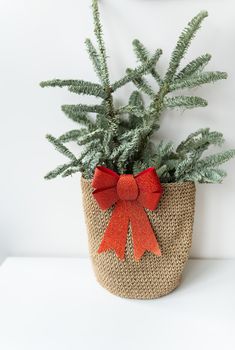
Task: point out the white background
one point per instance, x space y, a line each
56 304
45 39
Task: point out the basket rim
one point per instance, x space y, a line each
166 184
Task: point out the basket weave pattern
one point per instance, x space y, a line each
152 276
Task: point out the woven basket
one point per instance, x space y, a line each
152 276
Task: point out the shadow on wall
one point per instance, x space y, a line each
3 254
200 218
2 258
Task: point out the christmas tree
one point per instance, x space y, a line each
121 138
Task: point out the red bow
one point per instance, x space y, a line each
130 194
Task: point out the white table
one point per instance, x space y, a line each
56 304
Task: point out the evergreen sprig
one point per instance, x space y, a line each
185 102
197 80
143 56
60 147
78 87
122 138
183 43
193 67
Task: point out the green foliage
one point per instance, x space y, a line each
185 101
197 80
143 55
72 135
61 169
79 117
137 73
77 86
183 43
94 57
122 138
60 147
193 67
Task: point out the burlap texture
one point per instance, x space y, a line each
152 276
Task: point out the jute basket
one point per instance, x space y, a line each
152 276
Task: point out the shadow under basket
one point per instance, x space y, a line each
152 276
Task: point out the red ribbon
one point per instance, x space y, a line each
130 194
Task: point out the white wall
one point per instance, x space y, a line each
44 39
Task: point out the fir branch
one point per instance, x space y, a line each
94 57
108 144
87 159
80 118
136 105
81 108
87 88
59 170
183 43
56 172
71 171
132 148
90 161
58 83
156 107
90 136
90 145
164 149
192 169
60 147
143 86
197 80
99 36
201 138
215 159
117 151
128 109
160 154
213 176
206 176
195 66
156 76
143 56
139 166
187 102
77 86
130 134
147 153
95 160
172 163
102 121
140 50
72 135
136 100
137 73
185 166
160 171
103 64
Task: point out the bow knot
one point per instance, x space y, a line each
127 188
130 195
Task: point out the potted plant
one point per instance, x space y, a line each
138 191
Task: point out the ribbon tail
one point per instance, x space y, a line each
143 236
115 235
